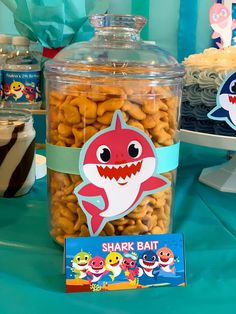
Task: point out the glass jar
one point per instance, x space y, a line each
17 148
112 147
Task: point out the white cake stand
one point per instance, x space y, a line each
222 177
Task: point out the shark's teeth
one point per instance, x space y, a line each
232 99
103 166
124 171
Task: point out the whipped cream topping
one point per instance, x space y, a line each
213 59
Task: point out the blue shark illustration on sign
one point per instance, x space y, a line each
225 109
148 267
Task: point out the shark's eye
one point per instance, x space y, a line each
145 257
110 260
117 257
215 17
134 149
86 257
167 254
101 263
223 12
103 153
153 258
78 258
161 253
132 263
232 86
93 263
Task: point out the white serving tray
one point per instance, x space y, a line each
222 177
209 140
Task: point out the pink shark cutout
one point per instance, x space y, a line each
117 166
222 23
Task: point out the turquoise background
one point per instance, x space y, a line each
6 21
31 278
179 26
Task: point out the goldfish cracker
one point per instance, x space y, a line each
82 220
134 110
68 190
96 97
109 229
53 136
65 224
150 105
164 91
98 125
150 221
148 200
67 141
54 94
138 213
120 228
106 118
135 124
89 131
87 121
149 122
72 207
109 90
60 143
157 230
111 104
78 135
162 105
75 178
87 107
64 130
84 232
121 221
66 101
138 228
59 238
65 212
71 114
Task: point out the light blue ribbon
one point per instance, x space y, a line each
167 158
66 159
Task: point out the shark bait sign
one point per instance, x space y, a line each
117 166
124 262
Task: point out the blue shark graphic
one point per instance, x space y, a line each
148 268
225 109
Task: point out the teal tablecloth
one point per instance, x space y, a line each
31 279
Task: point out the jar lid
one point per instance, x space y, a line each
116 50
20 40
5 39
14 115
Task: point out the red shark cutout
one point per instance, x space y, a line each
117 166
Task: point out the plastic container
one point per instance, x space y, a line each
17 147
5 50
22 77
113 112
